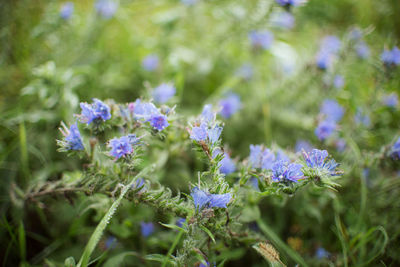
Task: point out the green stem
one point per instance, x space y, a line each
95 238
176 241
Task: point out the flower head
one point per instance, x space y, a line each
106 8
332 110
66 11
391 57
73 139
267 159
208 115
325 129
146 228
282 171
163 93
227 165
159 121
144 110
203 199
261 39
255 158
321 253
94 112
199 133
230 105
391 100
318 159
120 147
150 62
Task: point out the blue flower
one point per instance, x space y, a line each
66 11
324 60
289 2
120 147
255 158
330 44
284 20
143 110
303 145
362 50
203 199
150 62
338 82
321 253
261 39
180 222
325 129
214 134
106 8
146 228
318 159
332 110
207 115
94 112
227 165
391 57
159 121
396 149
391 100
361 118
282 171
229 105
199 133
267 159
73 139
163 93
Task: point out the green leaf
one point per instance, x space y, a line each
159 258
22 241
118 259
208 232
173 226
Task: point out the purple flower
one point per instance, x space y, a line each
318 159
325 129
256 155
396 149
203 199
120 147
227 165
150 62
284 20
338 82
94 112
362 50
324 60
207 115
229 105
73 139
199 133
146 228
340 144
180 222
261 39
245 71
267 159
332 110
143 110
361 118
303 145
159 122
391 100
280 155
330 44
289 2
66 11
282 171
106 8
163 93
391 57
321 253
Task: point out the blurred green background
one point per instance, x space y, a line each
48 65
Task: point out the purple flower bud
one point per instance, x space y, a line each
163 93
261 39
150 62
66 11
120 147
203 199
159 122
73 139
214 134
321 253
230 105
199 133
146 228
94 112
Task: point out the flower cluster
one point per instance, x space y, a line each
204 199
329 48
72 136
206 130
120 147
319 160
230 105
147 112
391 57
284 171
331 113
98 111
163 93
